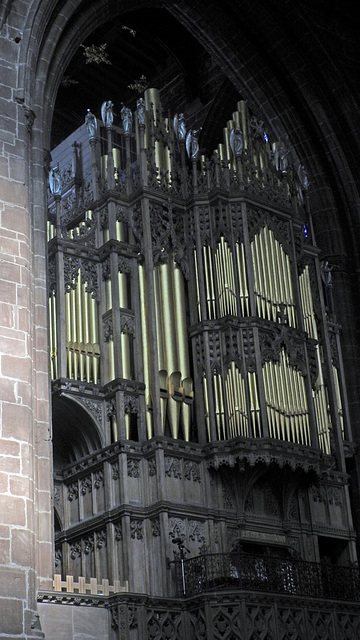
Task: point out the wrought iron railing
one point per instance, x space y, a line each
292 576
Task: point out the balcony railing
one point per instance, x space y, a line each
244 571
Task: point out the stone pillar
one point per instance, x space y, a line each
25 444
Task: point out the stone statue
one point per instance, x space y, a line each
180 126
326 273
280 159
91 124
304 182
192 143
236 141
55 180
107 114
126 118
141 112
303 177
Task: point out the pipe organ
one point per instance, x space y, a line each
186 291
195 358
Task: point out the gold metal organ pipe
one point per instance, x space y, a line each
307 303
221 149
160 344
169 339
198 302
275 263
120 233
123 290
80 346
229 155
145 342
268 274
254 405
285 398
338 399
244 295
242 108
231 307
73 332
230 405
236 403
206 402
85 340
51 231
269 396
125 355
219 407
225 279
179 301
68 332
272 277
209 282
220 281
94 337
53 336
108 293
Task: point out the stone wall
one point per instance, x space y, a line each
25 448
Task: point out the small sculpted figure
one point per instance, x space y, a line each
236 141
304 182
141 111
91 124
180 126
326 273
107 113
126 118
55 180
280 159
192 143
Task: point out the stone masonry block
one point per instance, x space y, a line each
13 583
12 510
17 421
11 616
15 367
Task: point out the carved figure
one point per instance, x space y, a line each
141 112
192 143
91 124
304 182
303 177
236 141
326 273
280 159
55 180
126 118
107 114
180 126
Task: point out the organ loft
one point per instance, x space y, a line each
200 421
